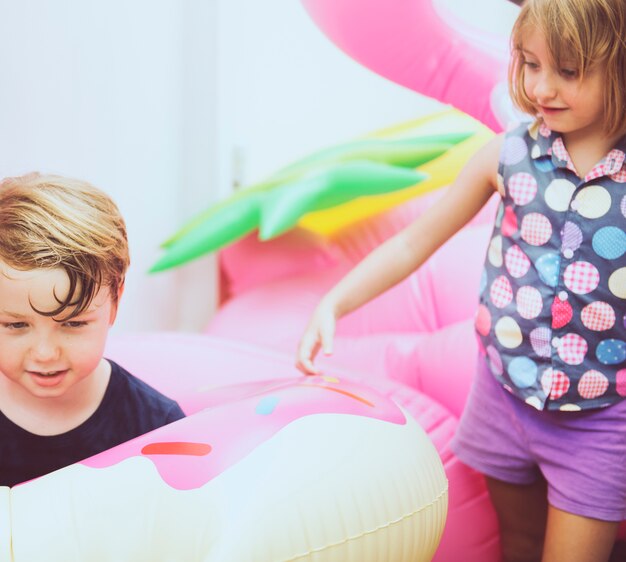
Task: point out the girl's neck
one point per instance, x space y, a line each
587 150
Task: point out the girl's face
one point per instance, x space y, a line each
566 104
47 357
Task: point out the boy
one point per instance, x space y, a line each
63 259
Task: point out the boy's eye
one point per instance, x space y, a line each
15 325
74 324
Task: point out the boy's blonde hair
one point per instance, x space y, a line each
585 32
50 221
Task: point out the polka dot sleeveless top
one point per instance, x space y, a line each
552 313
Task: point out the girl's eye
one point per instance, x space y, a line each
531 65
569 72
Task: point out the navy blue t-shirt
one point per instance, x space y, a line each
129 408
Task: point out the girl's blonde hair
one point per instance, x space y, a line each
584 32
50 221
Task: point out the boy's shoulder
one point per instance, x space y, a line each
138 400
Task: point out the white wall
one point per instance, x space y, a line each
285 90
166 104
120 93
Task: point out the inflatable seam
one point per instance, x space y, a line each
11 553
386 525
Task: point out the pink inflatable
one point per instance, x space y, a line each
278 283
421 45
420 333
269 467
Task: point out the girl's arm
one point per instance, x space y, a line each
403 253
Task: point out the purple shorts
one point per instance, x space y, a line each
582 455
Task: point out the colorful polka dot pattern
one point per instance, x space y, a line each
552 315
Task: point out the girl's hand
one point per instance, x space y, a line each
397 257
318 335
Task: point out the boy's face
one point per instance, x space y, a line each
48 356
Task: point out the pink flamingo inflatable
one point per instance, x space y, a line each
423 46
421 332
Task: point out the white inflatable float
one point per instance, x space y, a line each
273 467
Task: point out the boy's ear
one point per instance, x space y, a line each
116 304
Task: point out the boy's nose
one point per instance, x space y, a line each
45 349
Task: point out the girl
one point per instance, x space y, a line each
546 419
